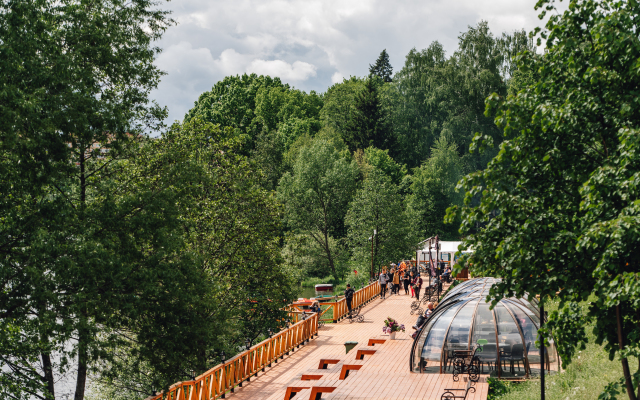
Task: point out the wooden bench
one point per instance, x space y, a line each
346 368
364 352
449 393
316 391
311 377
292 391
325 362
373 342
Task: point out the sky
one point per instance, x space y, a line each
311 44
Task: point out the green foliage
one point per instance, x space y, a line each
433 93
380 160
432 191
358 280
232 103
590 376
76 74
317 193
378 206
368 124
339 104
497 388
382 67
555 211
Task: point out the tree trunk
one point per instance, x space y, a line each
625 362
81 379
48 376
329 256
83 337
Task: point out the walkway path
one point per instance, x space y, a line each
382 375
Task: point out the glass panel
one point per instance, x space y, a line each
520 304
458 336
484 328
530 333
424 333
533 310
432 350
509 343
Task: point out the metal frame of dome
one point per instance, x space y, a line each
463 316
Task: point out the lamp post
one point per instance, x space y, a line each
541 351
371 240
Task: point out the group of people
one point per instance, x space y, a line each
391 279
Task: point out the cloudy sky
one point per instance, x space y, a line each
311 44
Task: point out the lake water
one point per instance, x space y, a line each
309 292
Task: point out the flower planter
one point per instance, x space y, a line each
392 336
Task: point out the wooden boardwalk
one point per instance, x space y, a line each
382 375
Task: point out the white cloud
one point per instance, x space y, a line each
312 43
337 77
298 71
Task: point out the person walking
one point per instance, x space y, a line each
406 280
390 276
396 282
348 296
383 279
417 285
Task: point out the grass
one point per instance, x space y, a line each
585 378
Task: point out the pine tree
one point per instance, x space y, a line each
382 68
368 124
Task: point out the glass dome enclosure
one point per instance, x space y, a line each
463 317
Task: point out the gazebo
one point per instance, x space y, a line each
463 319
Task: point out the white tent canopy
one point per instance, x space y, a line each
447 251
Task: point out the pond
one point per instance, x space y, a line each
308 292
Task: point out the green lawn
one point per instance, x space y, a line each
585 378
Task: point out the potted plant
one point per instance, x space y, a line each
391 326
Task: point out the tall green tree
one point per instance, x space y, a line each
231 102
378 207
382 67
339 104
316 194
76 78
555 213
432 191
433 93
368 124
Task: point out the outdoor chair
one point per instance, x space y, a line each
487 356
516 355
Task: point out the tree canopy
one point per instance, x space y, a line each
382 67
554 213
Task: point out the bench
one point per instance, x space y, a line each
373 342
450 395
364 352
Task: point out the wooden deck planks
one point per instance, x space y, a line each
384 375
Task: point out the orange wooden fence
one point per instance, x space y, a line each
360 298
225 377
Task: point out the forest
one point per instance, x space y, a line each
134 254
381 152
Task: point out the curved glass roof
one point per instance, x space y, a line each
463 317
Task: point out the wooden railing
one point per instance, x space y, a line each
225 377
360 298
